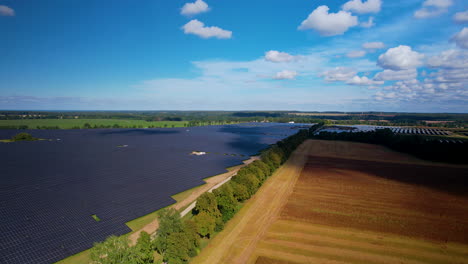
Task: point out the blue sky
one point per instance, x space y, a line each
357 55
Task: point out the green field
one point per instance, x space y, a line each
74 123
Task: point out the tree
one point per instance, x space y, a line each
112 250
144 249
169 222
207 203
205 224
262 166
249 181
240 192
273 157
227 204
190 230
23 137
178 247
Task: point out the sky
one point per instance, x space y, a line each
306 55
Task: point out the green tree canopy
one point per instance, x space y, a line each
227 204
169 222
23 137
206 224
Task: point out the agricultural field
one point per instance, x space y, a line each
343 202
74 123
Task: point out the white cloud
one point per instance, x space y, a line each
356 80
433 8
449 59
359 7
400 58
373 45
461 17
355 54
452 74
338 74
389 75
381 95
194 8
370 23
277 56
329 24
461 38
198 28
6 11
446 83
285 75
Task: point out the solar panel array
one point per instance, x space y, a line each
49 189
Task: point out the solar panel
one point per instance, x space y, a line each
49 190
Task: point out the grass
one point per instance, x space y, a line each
140 222
95 217
71 123
11 140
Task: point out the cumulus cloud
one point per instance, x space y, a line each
329 24
6 11
194 8
373 45
461 17
355 54
389 75
277 56
338 74
196 27
359 7
381 95
433 8
285 75
452 71
400 58
369 23
356 80
446 82
449 59
461 38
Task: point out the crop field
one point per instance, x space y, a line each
59 196
353 203
72 123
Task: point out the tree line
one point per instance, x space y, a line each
225 117
177 240
417 145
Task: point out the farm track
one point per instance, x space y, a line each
211 182
342 209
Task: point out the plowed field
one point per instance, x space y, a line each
351 203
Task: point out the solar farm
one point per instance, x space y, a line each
397 130
60 195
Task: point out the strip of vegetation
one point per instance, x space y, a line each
20 137
196 118
420 146
177 240
86 124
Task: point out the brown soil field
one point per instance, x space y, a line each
412 200
343 202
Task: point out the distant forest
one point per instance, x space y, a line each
195 118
